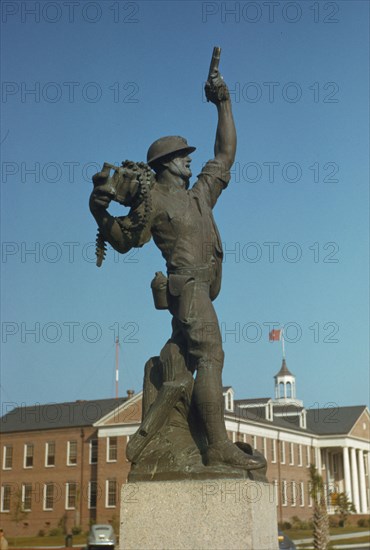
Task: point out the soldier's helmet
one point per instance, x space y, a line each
167 146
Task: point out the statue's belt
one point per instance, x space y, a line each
201 274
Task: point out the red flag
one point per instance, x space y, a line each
275 335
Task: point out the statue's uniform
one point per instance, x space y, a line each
184 230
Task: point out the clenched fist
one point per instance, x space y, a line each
216 89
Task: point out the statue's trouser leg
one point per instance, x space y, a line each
197 319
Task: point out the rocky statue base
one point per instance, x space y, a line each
235 514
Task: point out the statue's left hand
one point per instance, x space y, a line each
99 201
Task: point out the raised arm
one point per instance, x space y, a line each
225 144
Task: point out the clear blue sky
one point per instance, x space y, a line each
110 77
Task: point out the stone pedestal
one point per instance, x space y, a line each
219 514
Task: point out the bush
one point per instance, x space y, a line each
333 522
297 523
363 522
56 531
76 530
41 533
284 525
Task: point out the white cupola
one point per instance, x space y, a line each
285 390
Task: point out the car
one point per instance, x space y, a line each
285 543
101 536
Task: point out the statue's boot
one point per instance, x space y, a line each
227 453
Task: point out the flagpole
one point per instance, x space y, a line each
283 343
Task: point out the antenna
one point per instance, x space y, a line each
117 372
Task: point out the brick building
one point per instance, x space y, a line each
59 462
64 463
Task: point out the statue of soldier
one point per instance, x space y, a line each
181 222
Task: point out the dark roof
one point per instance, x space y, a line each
333 420
258 414
328 421
284 371
225 388
287 408
255 401
57 415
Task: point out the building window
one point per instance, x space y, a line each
8 457
282 452
293 490
288 390
27 497
72 453
284 498
71 495
112 449
93 451
309 494
291 454
111 494
229 403
28 455
276 491
273 450
263 450
301 493
5 498
50 454
93 493
335 464
48 496
308 456
299 455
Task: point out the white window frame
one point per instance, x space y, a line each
301 494
90 450
263 446
47 454
108 449
107 493
293 491
89 495
335 463
276 491
273 451
24 485
254 442
299 455
69 463
6 447
282 452
291 454
68 485
284 496
308 456
46 485
309 487
26 445
2 498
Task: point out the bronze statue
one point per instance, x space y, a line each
183 432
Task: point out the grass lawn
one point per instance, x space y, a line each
336 544
295 534
58 540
